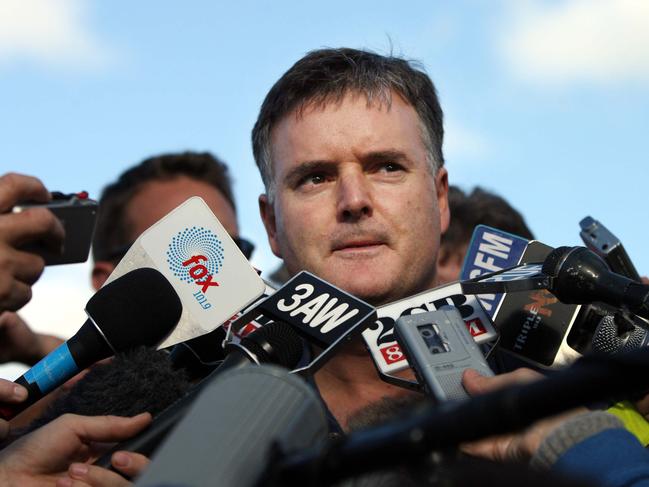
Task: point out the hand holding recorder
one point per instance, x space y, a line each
21 269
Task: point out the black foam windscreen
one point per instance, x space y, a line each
140 307
276 343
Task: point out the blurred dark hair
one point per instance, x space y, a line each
112 232
328 75
480 207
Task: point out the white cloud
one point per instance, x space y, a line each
461 142
51 32
601 41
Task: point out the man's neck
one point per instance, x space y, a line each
349 382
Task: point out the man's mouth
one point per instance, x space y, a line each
357 245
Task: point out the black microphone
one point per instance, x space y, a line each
199 356
324 315
138 309
580 276
275 343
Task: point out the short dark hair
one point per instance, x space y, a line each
327 75
112 232
480 207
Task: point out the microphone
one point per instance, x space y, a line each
235 428
138 309
611 336
490 250
580 276
321 313
306 307
534 324
591 379
275 343
201 355
192 249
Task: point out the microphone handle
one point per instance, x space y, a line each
86 347
148 440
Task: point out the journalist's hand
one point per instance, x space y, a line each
20 269
44 457
515 447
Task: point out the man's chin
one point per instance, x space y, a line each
373 290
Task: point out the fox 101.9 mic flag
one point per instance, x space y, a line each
138 309
212 278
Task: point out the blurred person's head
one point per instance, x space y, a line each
148 191
480 207
349 146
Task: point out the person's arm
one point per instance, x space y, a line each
55 453
595 447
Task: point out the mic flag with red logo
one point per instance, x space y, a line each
191 248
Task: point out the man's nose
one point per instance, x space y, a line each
354 196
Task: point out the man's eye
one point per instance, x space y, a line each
314 179
390 167
317 179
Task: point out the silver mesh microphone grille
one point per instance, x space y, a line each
607 339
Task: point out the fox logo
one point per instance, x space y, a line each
198 271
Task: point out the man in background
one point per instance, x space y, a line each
480 207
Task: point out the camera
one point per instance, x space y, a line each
78 214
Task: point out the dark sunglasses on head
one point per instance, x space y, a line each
245 246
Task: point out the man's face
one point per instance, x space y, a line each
355 201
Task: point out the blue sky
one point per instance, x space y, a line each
546 102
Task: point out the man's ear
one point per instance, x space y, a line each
441 186
267 212
100 273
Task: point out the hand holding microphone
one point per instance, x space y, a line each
10 393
